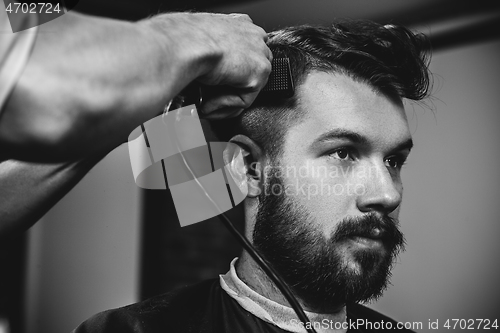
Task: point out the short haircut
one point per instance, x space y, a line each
391 59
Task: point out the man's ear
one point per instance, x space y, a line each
247 171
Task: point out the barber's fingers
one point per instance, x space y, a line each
223 101
220 107
269 54
226 102
263 33
241 16
243 66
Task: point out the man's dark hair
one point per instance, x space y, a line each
391 59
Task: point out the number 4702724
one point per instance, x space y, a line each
471 324
33 8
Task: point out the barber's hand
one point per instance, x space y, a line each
235 60
243 69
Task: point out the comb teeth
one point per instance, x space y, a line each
280 81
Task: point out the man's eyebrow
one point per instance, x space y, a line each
342 134
357 138
407 145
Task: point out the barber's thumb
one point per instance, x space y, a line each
226 106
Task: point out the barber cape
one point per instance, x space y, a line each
225 305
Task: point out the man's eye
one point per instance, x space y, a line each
342 154
395 162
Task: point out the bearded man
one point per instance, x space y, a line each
323 172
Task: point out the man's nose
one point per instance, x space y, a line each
382 191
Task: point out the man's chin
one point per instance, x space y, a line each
360 275
325 302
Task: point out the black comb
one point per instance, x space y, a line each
279 83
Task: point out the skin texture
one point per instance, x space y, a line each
29 190
90 81
334 104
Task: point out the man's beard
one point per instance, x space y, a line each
315 267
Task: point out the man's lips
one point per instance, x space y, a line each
374 238
367 242
377 233
374 234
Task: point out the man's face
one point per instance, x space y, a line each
327 218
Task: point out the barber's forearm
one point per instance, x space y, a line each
91 81
29 190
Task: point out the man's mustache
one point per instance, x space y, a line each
374 226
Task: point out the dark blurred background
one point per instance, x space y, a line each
139 249
272 14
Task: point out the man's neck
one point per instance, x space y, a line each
255 278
